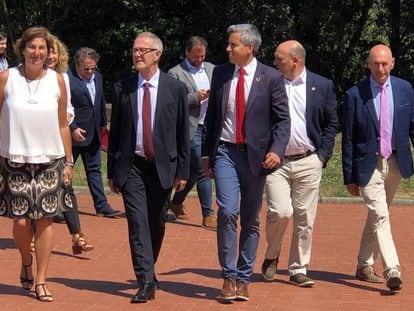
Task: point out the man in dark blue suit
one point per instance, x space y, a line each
149 153
294 188
247 128
87 98
378 125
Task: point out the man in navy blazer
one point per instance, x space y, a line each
143 176
247 128
86 90
378 125
294 188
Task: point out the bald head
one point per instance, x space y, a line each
380 63
290 59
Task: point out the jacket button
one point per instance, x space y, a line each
378 138
377 153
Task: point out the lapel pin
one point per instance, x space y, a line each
257 79
313 88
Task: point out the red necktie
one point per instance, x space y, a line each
240 108
146 123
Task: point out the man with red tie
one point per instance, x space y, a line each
148 154
247 128
378 124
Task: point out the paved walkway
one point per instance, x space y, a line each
188 267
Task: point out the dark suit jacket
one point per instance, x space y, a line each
267 121
360 134
321 115
182 73
88 116
170 131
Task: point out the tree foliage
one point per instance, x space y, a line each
336 34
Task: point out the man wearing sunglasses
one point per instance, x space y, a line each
87 98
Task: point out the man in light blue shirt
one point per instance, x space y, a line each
196 74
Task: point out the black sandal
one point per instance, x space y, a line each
43 297
26 283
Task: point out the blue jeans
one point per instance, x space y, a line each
91 158
196 176
238 192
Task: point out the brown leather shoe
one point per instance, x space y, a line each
368 274
242 292
178 210
209 222
228 292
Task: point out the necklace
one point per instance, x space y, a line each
32 99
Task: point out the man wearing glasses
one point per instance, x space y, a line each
87 98
149 154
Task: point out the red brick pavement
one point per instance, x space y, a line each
188 267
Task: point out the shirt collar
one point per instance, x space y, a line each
153 81
375 84
192 68
249 69
299 80
86 80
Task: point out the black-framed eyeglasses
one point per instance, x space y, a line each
89 68
143 51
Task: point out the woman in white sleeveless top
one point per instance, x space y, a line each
36 153
57 60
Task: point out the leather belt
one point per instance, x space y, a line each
237 147
144 159
299 156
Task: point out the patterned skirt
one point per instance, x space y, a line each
33 190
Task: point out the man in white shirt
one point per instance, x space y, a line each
294 188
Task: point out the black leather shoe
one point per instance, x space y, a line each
156 284
145 293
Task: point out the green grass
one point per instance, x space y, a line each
79 177
331 183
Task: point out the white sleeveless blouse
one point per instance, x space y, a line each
29 123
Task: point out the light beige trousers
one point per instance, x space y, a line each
377 237
293 189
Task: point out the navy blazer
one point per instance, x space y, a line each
360 134
170 131
88 116
267 120
321 114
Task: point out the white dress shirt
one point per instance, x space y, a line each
299 141
154 81
229 129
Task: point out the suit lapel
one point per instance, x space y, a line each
257 80
227 78
310 91
133 100
187 75
370 103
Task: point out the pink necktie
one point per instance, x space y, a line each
240 108
146 123
385 131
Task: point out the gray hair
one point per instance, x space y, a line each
84 53
157 41
248 34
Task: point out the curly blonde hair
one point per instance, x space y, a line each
63 55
